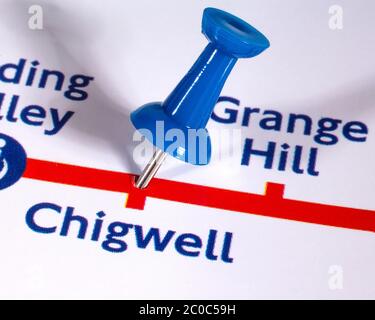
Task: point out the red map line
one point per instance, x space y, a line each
271 204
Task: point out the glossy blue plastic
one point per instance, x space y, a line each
189 106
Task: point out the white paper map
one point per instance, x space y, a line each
286 207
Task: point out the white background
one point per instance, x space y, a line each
138 51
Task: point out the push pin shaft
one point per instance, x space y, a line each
151 169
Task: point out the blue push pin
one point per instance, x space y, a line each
190 104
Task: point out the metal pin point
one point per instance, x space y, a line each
151 169
190 104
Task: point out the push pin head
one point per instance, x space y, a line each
189 106
232 35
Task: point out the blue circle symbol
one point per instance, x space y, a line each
12 161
